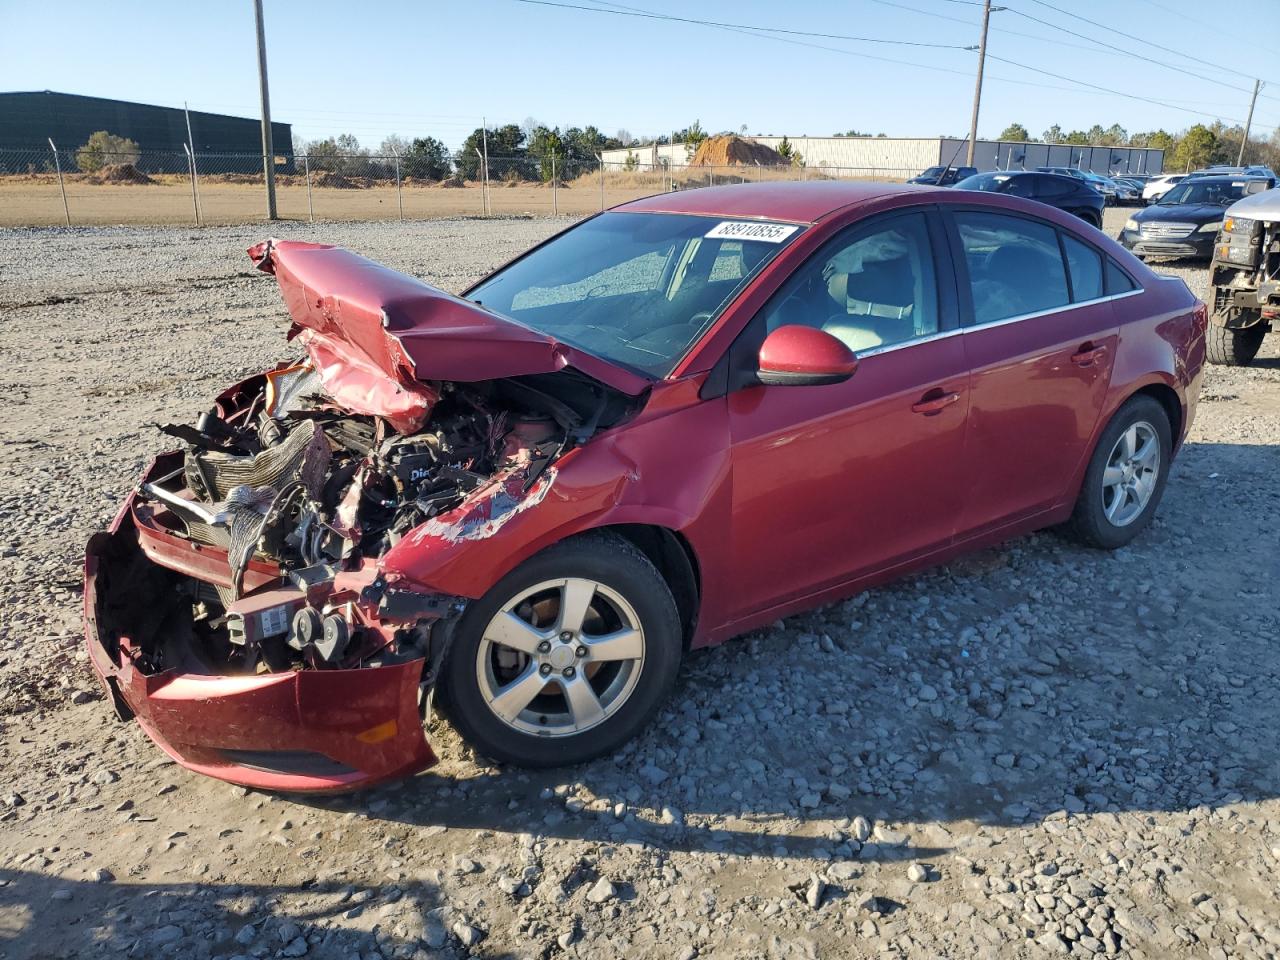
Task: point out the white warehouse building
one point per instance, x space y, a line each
906 157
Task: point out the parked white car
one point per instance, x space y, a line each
1157 188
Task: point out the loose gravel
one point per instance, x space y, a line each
1035 750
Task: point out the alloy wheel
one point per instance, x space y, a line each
1129 479
560 657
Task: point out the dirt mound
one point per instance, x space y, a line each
327 178
454 181
120 173
241 178
731 150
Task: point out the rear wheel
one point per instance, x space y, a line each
1233 348
567 657
1091 218
1126 476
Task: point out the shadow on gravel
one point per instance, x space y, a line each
1035 680
43 916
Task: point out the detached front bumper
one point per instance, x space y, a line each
301 730
1197 245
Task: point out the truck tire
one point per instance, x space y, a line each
1233 348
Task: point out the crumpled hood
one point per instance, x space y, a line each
377 336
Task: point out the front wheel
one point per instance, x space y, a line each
1231 347
565 658
1126 476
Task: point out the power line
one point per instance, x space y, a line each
1129 53
767 33
867 56
648 15
1117 93
1150 43
1092 45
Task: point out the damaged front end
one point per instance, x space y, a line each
238 605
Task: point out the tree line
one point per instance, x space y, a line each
1197 146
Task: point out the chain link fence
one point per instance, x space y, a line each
92 187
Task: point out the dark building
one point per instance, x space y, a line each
28 120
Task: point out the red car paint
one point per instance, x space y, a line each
375 335
807 351
785 496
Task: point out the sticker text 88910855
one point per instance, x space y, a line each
748 230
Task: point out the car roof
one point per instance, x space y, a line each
797 202
1229 177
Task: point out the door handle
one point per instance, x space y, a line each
934 402
1087 354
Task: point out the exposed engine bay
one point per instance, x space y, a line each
303 498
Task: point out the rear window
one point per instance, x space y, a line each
1117 280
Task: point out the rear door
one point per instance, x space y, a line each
1040 337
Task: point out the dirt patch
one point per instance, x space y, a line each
734 151
120 173
335 181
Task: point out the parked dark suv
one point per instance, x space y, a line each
1185 221
944 176
1066 193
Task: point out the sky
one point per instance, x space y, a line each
434 69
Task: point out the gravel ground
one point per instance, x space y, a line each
1036 750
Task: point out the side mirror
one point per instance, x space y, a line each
799 356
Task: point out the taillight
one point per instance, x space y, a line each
1202 316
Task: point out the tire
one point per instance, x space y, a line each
1233 348
1089 217
1098 519
482 676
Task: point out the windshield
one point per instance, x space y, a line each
637 289
1221 192
933 172
987 182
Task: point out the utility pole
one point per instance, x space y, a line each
268 152
1257 85
977 90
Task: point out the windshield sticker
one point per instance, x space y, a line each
745 230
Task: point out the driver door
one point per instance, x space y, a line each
835 482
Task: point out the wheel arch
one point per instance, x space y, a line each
1168 398
675 559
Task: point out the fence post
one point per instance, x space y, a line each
484 185
195 173
399 195
600 157
61 186
555 201
306 169
191 170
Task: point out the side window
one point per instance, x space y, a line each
1051 188
871 288
1015 266
1117 280
1085 264
1019 187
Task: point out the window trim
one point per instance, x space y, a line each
736 368
964 287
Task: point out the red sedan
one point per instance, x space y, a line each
669 424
